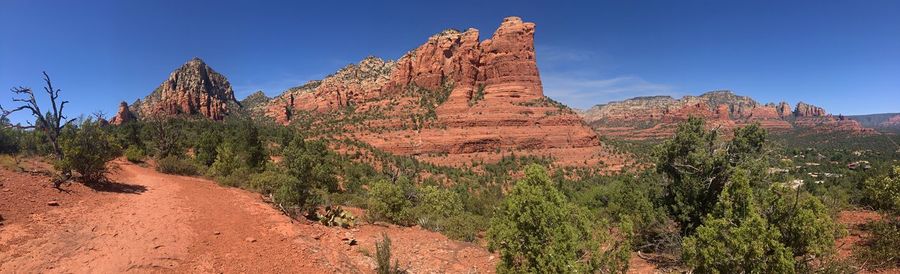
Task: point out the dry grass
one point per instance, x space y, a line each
10 162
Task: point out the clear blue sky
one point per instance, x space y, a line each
842 55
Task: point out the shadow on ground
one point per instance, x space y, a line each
117 187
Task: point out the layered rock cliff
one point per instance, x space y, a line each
123 115
452 100
656 117
192 89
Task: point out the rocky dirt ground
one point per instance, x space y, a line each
152 222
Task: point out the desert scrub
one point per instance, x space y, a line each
177 166
135 154
383 257
86 151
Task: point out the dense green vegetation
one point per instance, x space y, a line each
767 202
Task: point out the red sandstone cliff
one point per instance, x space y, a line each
656 117
452 100
123 115
192 89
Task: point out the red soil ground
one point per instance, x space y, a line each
152 222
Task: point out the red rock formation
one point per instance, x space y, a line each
654 117
451 100
124 115
807 110
192 89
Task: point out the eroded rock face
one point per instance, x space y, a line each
123 115
452 100
192 89
657 117
807 110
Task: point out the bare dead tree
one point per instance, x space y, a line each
51 123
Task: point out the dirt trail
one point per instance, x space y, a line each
163 223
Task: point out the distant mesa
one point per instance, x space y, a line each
656 117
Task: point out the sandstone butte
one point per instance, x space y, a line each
192 89
453 100
657 116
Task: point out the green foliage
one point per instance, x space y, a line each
311 162
177 166
164 138
537 230
135 154
884 193
882 247
295 196
736 237
383 258
267 182
388 202
205 150
697 170
804 223
9 137
86 150
631 199
477 95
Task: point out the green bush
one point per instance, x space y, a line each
736 238
388 202
9 137
268 181
205 148
228 160
86 150
296 197
135 154
237 178
882 246
177 166
884 193
311 162
537 230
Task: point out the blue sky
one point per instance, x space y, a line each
842 55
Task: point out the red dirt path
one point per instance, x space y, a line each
152 222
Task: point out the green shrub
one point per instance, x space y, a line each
228 160
268 181
884 193
311 162
205 148
296 197
135 154
237 178
177 166
881 248
9 137
86 150
388 202
736 238
537 230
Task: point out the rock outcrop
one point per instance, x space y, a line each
192 89
123 115
452 100
657 116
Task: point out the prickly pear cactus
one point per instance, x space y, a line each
336 216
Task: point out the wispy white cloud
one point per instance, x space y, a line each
584 92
